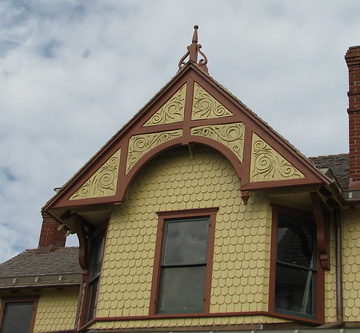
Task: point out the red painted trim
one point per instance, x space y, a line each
245 172
83 327
278 184
64 331
86 276
273 254
322 232
188 107
41 286
155 284
209 315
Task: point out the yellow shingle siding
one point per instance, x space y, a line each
184 322
56 310
330 281
351 264
175 181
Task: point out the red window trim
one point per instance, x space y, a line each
5 301
300 216
84 312
208 212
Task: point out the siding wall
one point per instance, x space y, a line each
56 310
351 264
176 181
330 281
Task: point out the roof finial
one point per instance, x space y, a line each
195 35
192 52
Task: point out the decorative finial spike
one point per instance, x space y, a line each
195 36
193 51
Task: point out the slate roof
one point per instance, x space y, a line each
38 267
339 165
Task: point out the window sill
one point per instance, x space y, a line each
209 315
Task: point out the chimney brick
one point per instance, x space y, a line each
50 236
352 59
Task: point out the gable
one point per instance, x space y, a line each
191 108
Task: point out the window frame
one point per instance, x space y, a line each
85 318
318 295
155 288
8 300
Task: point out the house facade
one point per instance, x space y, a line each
197 216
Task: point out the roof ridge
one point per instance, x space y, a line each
54 248
331 155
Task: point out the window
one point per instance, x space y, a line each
96 254
181 281
15 309
295 264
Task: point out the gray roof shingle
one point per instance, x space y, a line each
38 267
339 165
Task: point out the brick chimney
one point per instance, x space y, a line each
50 236
352 59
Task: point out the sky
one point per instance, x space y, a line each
73 72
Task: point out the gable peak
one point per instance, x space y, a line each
193 51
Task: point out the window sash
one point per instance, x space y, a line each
295 293
10 319
198 298
180 293
96 256
305 293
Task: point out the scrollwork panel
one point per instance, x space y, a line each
230 135
172 111
103 182
268 165
139 145
206 106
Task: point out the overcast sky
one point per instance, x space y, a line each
72 73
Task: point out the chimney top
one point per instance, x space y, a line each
352 59
50 236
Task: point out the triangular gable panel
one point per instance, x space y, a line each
172 111
268 165
139 145
230 135
191 108
103 182
205 106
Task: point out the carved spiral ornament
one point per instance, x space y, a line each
230 135
172 111
206 107
269 165
103 182
139 145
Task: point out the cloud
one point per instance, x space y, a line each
73 72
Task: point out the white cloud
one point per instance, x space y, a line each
73 72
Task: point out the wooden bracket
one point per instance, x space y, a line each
245 195
322 233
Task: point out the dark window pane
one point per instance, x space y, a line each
182 289
97 247
294 289
295 242
92 299
17 317
186 242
